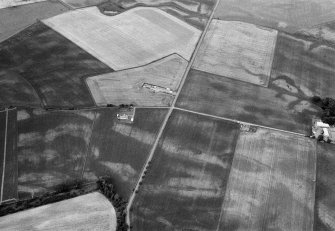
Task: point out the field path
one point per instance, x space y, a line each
132 197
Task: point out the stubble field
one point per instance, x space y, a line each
271 183
237 50
140 35
92 211
186 181
126 87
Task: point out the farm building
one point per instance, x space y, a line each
323 131
156 89
126 114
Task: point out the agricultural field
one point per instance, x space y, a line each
140 35
233 99
271 184
92 211
52 148
13 3
54 66
83 3
10 23
304 67
8 154
325 188
15 90
286 15
186 181
194 12
119 150
237 50
324 32
126 87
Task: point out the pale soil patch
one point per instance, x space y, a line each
237 50
131 39
88 212
125 87
271 184
10 3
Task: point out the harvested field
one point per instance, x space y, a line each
10 23
237 50
15 90
140 35
126 87
88 212
186 182
273 107
287 15
325 188
52 147
271 183
119 150
8 153
12 3
194 12
306 67
54 66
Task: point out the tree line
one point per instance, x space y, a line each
328 106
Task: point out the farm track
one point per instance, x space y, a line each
132 197
240 122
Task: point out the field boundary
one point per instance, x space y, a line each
4 157
240 122
203 34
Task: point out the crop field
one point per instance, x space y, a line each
8 153
12 3
52 147
140 36
125 87
237 50
187 179
271 183
92 211
15 90
233 99
325 188
54 66
194 12
287 15
305 67
120 150
10 23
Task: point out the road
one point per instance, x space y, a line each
171 108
